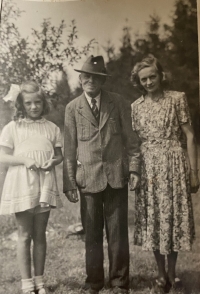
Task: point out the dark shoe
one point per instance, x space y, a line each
92 291
177 286
168 286
159 286
88 289
157 290
118 290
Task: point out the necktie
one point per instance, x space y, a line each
95 108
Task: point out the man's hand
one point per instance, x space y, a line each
72 196
134 181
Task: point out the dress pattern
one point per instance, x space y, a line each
24 188
164 215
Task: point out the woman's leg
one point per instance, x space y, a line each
172 259
25 230
160 260
39 240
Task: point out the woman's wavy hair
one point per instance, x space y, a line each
29 87
147 61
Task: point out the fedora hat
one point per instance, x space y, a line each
94 65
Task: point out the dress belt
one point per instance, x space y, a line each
162 143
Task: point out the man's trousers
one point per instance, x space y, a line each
108 208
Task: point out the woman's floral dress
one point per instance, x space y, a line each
164 216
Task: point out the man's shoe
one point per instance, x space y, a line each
93 291
87 288
118 290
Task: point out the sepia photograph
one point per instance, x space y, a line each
99 147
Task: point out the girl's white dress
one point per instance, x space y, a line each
24 188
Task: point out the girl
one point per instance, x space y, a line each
164 217
31 146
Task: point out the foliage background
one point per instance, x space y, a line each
46 55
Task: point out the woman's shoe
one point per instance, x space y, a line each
168 286
157 290
177 286
158 286
161 286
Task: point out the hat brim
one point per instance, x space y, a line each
93 73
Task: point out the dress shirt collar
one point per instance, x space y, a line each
97 98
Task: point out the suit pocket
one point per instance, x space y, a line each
114 127
83 132
80 176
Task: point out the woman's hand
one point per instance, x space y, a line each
192 154
48 165
134 181
31 164
194 181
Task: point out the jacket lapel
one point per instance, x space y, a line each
107 106
85 110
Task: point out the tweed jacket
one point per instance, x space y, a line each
99 153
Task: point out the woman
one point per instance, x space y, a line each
164 217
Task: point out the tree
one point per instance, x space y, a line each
49 52
46 53
120 66
182 54
12 52
43 59
176 46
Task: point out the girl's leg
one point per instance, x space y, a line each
160 260
172 259
39 239
25 230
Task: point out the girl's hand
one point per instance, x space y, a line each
31 164
194 181
48 165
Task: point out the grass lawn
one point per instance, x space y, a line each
65 264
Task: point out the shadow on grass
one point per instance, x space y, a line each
70 284
191 282
140 282
190 279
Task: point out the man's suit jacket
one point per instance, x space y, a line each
97 154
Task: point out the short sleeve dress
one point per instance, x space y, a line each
164 216
24 188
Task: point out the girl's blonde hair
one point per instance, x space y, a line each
29 87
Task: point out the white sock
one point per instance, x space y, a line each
39 283
42 291
27 285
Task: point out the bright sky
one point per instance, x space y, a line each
99 19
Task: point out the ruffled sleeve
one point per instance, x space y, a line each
6 138
182 109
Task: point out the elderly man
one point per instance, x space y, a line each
100 154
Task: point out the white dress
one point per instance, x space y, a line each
24 188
